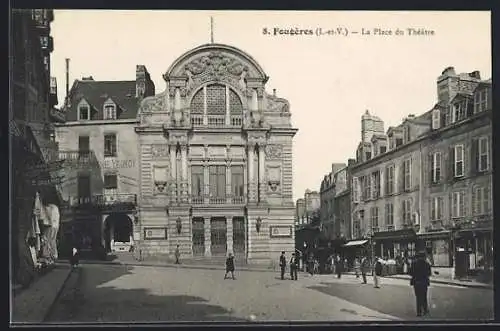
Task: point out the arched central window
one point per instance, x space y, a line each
218 102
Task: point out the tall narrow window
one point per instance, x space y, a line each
459 160
110 184
436 119
83 113
407 174
355 190
458 204
237 185
389 186
83 183
389 216
406 211
110 112
481 200
481 100
374 220
436 167
197 181
483 154
437 208
109 145
375 184
217 182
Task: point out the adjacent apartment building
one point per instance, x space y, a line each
99 146
427 182
32 97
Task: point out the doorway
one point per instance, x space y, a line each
118 229
218 236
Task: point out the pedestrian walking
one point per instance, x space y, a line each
177 255
364 268
294 265
420 272
283 265
357 266
377 272
230 266
74 260
339 266
310 264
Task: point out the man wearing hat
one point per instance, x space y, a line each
283 265
420 272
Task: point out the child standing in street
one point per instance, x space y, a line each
230 266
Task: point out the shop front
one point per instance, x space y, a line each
437 247
356 248
392 244
474 253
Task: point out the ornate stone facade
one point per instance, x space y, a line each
223 148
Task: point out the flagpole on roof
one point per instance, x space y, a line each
211 29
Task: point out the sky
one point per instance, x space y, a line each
330 80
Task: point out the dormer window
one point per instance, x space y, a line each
109 112
458 111
83 112
406 132
480 101
383 149
399 142
436 119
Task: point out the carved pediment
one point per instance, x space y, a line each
215 66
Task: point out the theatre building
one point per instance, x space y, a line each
215 161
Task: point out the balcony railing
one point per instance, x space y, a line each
83 158
105 200
216 121
229 199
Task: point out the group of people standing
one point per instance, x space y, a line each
294 266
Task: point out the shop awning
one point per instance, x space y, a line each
395 235
434 235
356 243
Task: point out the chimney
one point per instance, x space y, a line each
274 92
475 74
67 77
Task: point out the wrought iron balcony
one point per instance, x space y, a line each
122 201
227 200
80 158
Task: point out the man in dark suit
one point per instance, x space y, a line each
294 265
420 272
282 265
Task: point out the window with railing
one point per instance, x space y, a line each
217 182
110 145
215 101
237 184
197 184
110 187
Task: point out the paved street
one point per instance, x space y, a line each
396 297
112 293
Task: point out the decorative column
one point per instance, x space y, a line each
229 234
208 237
184 175
248 236
229 193
228 114
205 117
173 172
262 169
206 183
251 180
